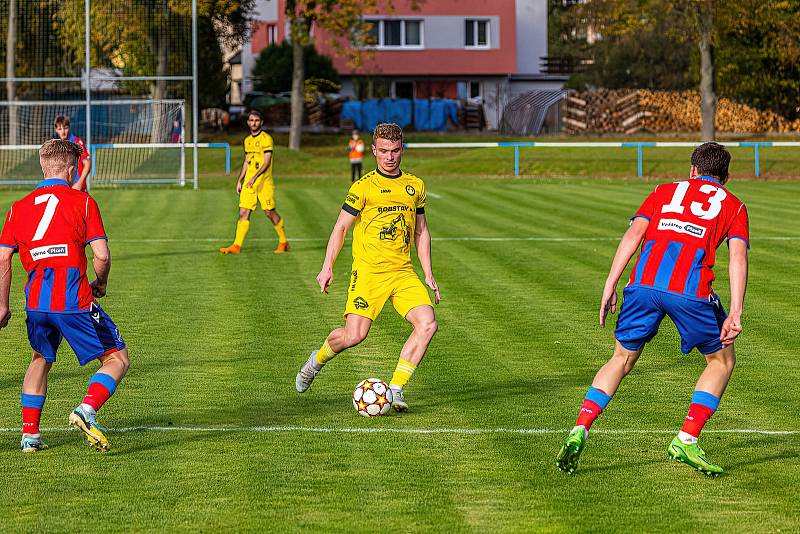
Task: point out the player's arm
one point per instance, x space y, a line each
240 179
5 284
343 224
738 267
262 170
87 168
102 266
422 240
627 248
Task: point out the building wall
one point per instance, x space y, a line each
531 17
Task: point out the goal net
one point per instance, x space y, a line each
133 141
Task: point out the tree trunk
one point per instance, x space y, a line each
11 59
708 97
298 104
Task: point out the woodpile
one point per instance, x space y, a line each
628 111
472 116
324 110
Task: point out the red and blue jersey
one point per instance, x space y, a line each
50 228
688 220
84 156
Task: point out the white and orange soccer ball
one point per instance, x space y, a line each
372 398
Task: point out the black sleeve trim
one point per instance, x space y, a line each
421 210
350 209
268 152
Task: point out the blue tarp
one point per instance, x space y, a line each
429 115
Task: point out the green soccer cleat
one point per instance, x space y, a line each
86 423
570 453
693 456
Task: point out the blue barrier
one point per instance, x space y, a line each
756 145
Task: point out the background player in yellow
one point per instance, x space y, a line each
388 207
255 186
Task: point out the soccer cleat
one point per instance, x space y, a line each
399 403
692 455
282 247
306 374
570 453
233 249
87 424
31 444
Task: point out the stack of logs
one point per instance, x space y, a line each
324 110
628 111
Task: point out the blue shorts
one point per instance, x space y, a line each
91 334
699 322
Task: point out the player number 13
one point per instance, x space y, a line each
47 217
716 196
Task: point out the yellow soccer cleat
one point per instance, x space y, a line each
233 249
282 247
87 424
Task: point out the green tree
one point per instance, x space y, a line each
212 77
273 68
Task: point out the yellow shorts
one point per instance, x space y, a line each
260 192
368 292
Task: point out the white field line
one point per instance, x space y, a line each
433 195
453 238
367 430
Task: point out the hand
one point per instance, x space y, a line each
608 304
5 317
731 328
251 183
239 186
98 289
431 281
324 279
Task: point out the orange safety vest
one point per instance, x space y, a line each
355 155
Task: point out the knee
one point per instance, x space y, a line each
123 359
244 215
725 358
428 329
625 360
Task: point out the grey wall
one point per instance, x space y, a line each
531 35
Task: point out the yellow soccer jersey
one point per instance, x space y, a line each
386 210
255 147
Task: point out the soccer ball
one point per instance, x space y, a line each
372 398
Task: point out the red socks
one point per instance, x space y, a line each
696 418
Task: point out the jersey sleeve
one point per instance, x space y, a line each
8 238
422 196
740 227
267 143
94 222
355 200
648 207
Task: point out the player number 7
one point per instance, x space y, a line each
47 217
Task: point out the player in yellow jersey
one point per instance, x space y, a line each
388 208
255 186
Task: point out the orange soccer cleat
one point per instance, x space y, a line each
233 249
282 247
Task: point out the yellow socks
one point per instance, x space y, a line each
402 373
241 231
280 231
325 353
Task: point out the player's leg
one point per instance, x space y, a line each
638 323
94 336
247 203
34 393
277 223
702 321
353 332
423 319
45 339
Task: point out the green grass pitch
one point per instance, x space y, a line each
216 341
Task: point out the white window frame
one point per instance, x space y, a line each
475 33
272 34
402 46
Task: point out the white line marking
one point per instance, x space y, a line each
452 238
433 195
368 430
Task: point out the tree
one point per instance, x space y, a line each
272 72
347 32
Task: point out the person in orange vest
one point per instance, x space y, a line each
355 149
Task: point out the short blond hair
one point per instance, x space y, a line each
56 156
389 131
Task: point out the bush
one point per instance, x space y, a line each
272 72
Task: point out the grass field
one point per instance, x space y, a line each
216 341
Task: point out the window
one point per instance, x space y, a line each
404 89
395 33
476 34
469 90
272 34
